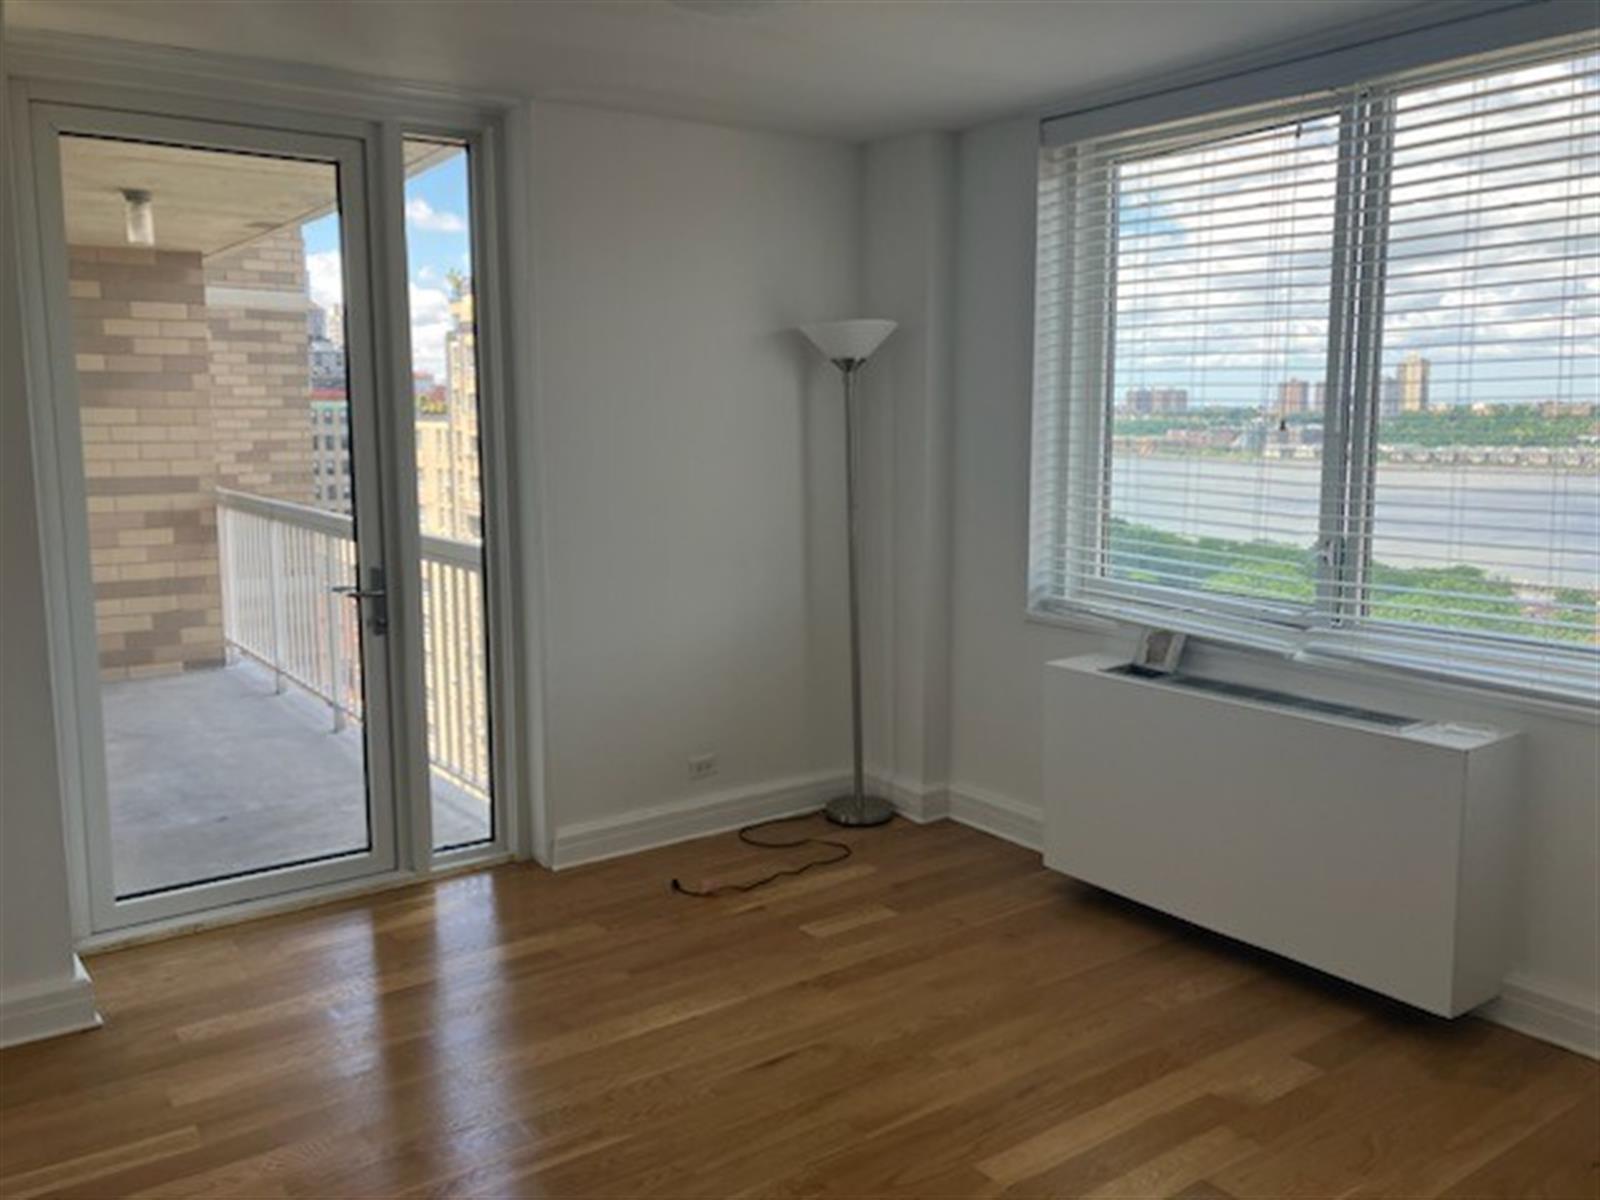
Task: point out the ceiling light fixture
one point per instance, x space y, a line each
141 217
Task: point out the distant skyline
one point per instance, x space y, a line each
438 241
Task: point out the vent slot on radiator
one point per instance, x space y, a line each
1261 695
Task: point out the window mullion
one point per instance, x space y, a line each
1354 357
1342 320
1355 550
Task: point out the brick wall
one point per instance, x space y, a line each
178 398
260 381
144 381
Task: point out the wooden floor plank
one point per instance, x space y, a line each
937 1017
1556 1161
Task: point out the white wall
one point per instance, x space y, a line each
908 222
996 732
43 989
690 454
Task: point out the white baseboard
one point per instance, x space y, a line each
999 816
49 1010
698 816
987 812
1538 1011
920 804
681 820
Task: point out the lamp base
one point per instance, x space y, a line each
869 810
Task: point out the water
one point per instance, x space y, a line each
1535 526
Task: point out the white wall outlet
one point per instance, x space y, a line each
702 766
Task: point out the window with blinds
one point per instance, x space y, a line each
1325 375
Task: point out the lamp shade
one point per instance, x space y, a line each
851 340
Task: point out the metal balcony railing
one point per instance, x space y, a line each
280 564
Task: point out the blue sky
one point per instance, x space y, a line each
437 241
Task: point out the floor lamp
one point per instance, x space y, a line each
848 345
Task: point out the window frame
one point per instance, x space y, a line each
1073 398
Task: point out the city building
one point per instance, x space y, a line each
330 449
1388 396
1150 401
1412 376
326 356
1294 396
449 484
333 324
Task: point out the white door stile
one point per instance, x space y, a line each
410 721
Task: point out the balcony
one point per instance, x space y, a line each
259 762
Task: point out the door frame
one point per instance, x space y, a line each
48 70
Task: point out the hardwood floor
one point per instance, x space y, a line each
938 1016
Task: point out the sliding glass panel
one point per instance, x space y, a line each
207 300
449 489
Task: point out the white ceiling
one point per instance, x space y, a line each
846 68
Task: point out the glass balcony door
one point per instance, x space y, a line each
230 577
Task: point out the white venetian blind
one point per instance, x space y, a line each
1202 262
1483 549
1326 374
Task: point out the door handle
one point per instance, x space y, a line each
377 593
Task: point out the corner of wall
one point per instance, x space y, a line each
909 262
48 1008
1544 1011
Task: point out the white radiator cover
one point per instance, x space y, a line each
1383 856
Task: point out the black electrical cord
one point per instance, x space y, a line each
744 836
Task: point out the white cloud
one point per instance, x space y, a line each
422 215
430 307
430 321
325 277
1225 255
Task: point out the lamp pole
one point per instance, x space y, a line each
849 367
848 345
857 808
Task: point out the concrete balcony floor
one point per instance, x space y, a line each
213 773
